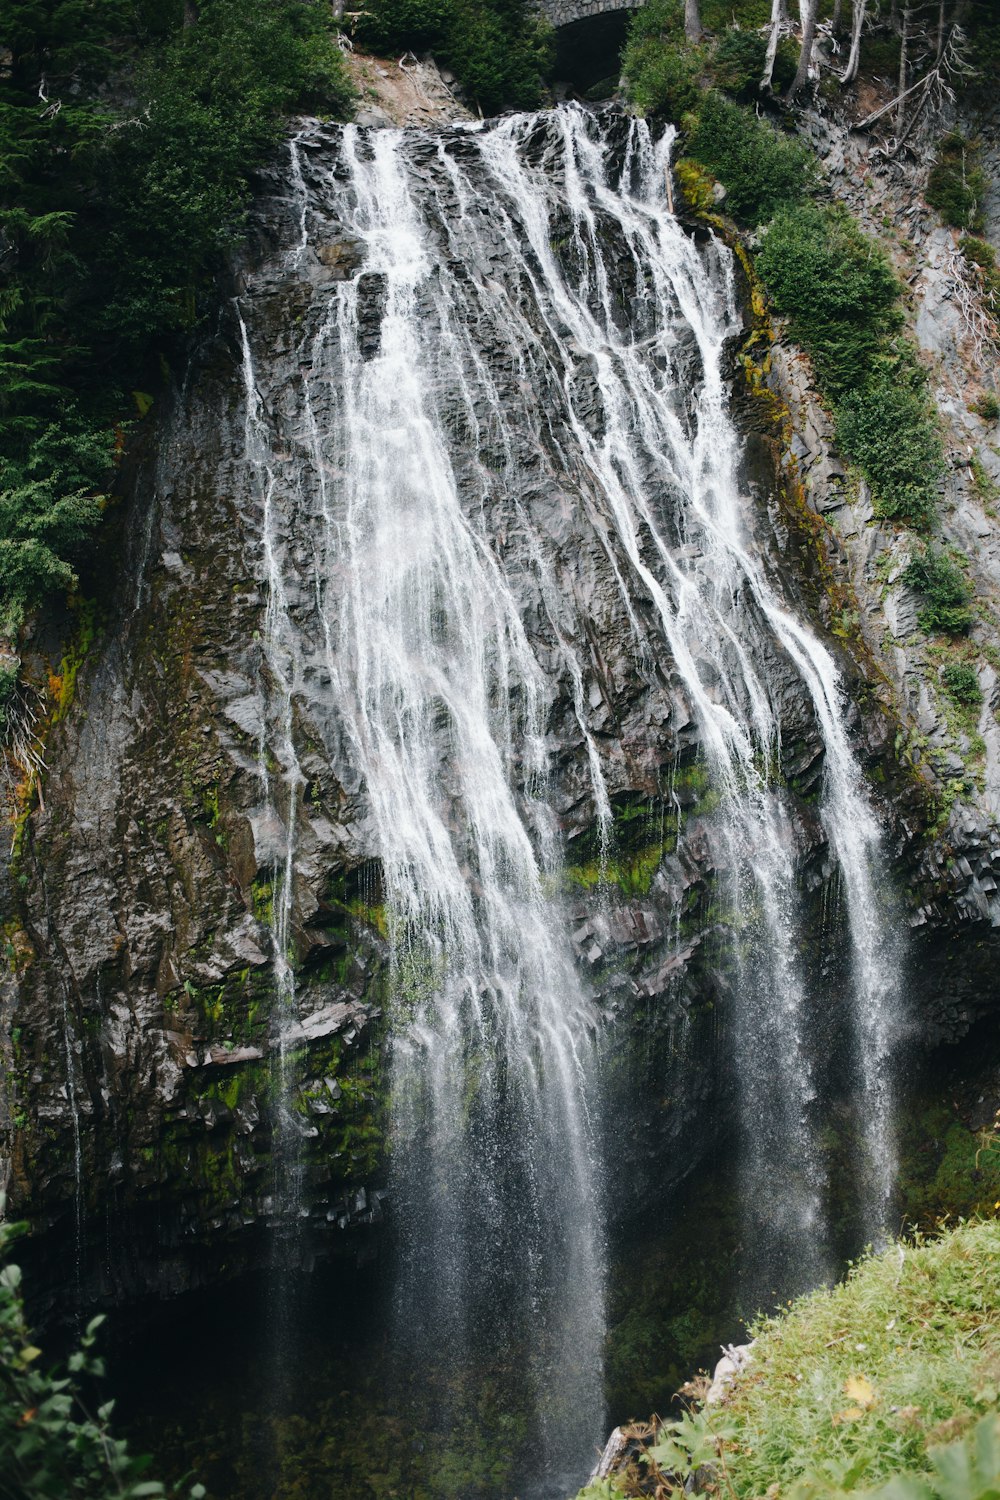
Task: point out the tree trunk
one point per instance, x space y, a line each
807 12
777 16
190 13
854 56
904 39
835 19
692 21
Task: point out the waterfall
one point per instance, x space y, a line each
281 789
494 1166
509 440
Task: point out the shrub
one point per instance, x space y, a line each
880 56
961 681
661 80
501 51
738 62
987 406
658 20
956 185
887 428
50 1445
946 593
761 169
716 15
982 258
662 72
178 178
8 686
113 220
836 286
389 27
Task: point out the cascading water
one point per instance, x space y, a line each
525 335
493 1156
281 782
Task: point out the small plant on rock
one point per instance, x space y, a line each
956 186
987 406
887 427
961 682
945 590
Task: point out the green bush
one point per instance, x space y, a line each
957 186
983 28
658 20
987 406
501 51
51 1447
761 169
661 80
961 682
982 258
662 72
387 26
178 178
880 56
946 593
737 63
8 684
887 427
716 15
835 285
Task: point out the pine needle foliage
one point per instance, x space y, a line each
127 143
835 285
888 427
945 590
761 168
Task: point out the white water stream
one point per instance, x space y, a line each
542 248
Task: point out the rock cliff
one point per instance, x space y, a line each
141 988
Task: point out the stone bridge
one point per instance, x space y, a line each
565 12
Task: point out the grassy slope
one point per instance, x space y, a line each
904 1354
853 1385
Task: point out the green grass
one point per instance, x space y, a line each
920 1325
893 1375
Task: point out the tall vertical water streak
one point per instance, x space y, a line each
721 620
281 787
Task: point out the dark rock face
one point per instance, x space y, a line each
143 989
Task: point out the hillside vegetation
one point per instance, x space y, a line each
887 1385
128 133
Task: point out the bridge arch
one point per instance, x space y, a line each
568 12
